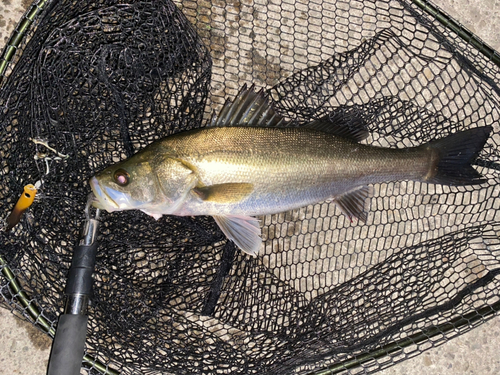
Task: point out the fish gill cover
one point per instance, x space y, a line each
96 81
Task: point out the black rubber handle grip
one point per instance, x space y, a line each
67 349
69 342
81 270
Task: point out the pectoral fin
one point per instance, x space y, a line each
224 193
244 231
352 203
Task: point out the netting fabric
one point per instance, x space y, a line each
96 81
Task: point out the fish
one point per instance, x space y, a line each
249 162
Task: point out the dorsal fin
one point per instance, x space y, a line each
249 108
348 125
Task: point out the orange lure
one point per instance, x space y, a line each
26 199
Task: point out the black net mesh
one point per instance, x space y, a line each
96 81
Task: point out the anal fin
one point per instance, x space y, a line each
244 231
352 203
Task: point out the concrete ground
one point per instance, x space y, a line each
24 350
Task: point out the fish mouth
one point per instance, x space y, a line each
112 200
101 199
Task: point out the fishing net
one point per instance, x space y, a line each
93 82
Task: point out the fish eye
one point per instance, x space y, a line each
121 177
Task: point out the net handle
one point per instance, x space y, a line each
69 342
68 346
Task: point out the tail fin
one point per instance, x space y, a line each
456 152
